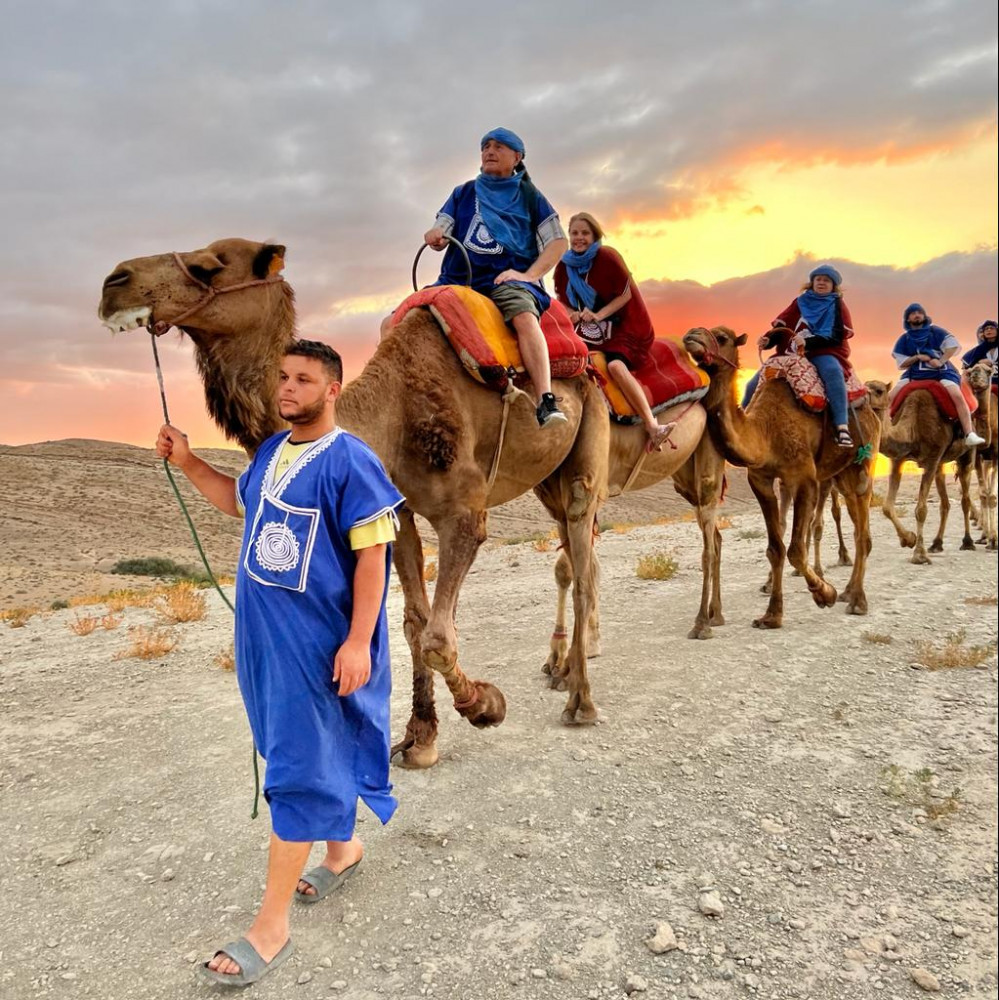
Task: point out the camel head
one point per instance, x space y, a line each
979 374
231 300
877 395
189 289
714 348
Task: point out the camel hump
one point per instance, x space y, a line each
486 346
803 378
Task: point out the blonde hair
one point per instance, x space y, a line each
837 289
598 230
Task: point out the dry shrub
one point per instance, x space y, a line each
547 542
723 522
183 602
751 533
118 600
982 602
952 653
877 499
111 620
430 571
878 638
223 580
921 789
225 659
84 625
657 566
17 617
148 644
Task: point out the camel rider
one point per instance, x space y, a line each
985 349
923 353
513 237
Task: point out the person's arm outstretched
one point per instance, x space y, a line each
216 487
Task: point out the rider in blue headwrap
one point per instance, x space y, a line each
986 348
513 237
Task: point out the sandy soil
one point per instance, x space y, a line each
835 803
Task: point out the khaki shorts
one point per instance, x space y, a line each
512 300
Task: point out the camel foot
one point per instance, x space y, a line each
581 717
857 606
920 559
844 596
767 588
907 539
414 756
557 681
717 618
967 545
992 546
937 545
489 708
767 621
700 631
844 559
824 595
594 648
795 572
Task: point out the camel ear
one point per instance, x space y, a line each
203 264
269 260
741 339
888 385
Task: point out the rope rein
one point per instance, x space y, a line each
197 541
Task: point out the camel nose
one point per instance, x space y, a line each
116 279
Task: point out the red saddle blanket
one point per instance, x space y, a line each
668 377
486 346
803 378
939 393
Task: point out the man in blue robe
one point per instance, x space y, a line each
513 237
312 654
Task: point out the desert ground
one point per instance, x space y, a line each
804 813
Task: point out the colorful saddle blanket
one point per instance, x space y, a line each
803 378
668 377
940 395
487 347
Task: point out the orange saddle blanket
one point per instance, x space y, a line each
486 346
939 393
803 378
668 377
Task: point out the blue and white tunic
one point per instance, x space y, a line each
932 341
294 600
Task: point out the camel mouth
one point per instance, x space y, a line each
694 346
128 319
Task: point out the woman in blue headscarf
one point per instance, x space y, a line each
817 322
513 238
986 348
923 353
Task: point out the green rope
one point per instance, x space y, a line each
201 552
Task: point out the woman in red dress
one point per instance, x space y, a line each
593 282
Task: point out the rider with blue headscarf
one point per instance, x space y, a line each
513 238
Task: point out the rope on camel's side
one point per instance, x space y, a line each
201 552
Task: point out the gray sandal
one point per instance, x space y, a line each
324 881
251 966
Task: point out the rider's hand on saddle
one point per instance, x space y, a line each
510 276
435 238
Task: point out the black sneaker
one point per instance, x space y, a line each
548 411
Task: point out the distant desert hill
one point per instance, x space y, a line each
74 508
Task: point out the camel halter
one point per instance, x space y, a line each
161 326
713 354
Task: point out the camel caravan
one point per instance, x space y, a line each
455 447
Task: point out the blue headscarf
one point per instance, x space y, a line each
577 265
829 271
919 336
502 204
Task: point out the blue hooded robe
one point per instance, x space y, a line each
930 340
294 599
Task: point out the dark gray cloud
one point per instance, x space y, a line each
128 129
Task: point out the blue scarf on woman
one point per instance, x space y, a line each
577 266
504 211
819 312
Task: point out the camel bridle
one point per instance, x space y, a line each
714 352
161 326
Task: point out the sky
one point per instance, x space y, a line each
726 147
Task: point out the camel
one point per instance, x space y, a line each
435 429
987 426
698 472
773 439
920 433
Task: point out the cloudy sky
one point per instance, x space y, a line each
726 146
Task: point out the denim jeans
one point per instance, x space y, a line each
831 373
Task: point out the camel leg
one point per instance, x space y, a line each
907 538
856 488
823 592
941 483
919 556
763 489
418 748
837 514
989 504
555 664
964 478
818 526
460 536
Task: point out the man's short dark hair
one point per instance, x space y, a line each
331 362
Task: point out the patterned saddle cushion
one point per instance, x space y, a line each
939 393
668 377
486 345
803 378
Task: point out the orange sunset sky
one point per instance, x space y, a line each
726 149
